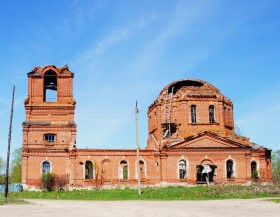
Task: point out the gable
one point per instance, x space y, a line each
206 141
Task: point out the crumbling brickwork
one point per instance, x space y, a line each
191 139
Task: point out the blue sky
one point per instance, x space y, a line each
126 50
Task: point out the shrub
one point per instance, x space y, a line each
61 181
2 179
48 181
255 175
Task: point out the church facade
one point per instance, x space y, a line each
191 139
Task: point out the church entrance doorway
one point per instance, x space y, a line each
205 172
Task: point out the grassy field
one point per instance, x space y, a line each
171 193
11 200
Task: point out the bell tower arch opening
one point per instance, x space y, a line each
50 86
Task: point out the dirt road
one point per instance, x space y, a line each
54 208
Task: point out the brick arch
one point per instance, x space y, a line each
50 68
206 165
106 169
91 174
121 168
142 169
41 165
257 168
187 167
234 167
105 160
50 85
207 161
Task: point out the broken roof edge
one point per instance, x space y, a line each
199 82
256 146
202 88
39 71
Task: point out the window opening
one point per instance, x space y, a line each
182 169
88 170
211 114
168 130
123 170
46 167
193 114
205 173
254 170
229 166
50 86
50 137
142 169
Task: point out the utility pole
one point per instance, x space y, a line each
137 149
9 145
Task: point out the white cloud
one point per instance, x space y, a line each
101 46
115 36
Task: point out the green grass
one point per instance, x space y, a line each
277 200
170 193
11 200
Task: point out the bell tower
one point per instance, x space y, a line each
49 107
49 129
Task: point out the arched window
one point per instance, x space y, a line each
142 169
182 169
229 168
50 86
50 137
46 167
123 170
206 172
254 170
193 114
212 114
89 170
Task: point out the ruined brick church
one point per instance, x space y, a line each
191 139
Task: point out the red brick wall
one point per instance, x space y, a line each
160 157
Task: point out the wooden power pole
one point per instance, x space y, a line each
137 149
9 145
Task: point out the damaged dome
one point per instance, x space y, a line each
190 85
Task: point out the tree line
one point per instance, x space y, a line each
15 168
276 165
